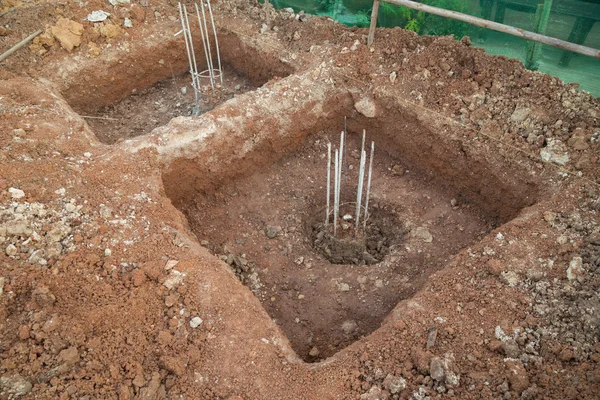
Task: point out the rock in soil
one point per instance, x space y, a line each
14 386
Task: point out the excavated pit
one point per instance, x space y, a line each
264 221
149 108
152 85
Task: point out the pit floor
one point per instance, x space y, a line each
149 108
324 307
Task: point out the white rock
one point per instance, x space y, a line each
423 233
11 250
575 268
520 114
555 152
14 386
98 16
375 393
511 278
18 228
107 252
195 322
127 23
87 154
105 212
394 384
349 327
16 193
59 232
171 264
174 279
344 287
1 285
117 2
366 107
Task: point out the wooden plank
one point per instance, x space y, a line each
373 26
19 45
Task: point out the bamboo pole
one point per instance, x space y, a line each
374 14
550 41
19 45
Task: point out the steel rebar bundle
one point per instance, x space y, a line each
212 72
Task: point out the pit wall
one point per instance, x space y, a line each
90 83
256 129
496 178
243 135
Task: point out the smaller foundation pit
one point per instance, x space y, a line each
149 108
149 86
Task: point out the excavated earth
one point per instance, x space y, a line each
147 253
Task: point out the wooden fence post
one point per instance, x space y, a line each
373 22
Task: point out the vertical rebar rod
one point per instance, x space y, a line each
204 44
189 45
187 48
328 183
363 140
336 199
361 175
360 178
212 20
342 139
345 163
212 75
368 186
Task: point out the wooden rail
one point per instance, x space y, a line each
550 41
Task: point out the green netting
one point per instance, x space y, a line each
576 21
